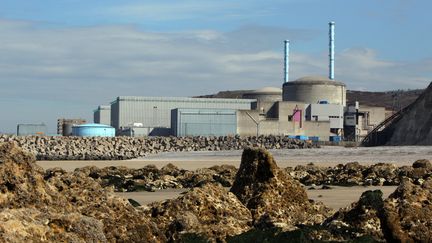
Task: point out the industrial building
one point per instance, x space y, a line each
31 129
64 126
311 106
155 112
360 120
102 115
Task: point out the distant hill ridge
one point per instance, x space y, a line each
395 99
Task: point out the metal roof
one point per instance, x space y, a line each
183 99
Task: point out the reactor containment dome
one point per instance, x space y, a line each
315 89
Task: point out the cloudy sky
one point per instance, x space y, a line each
63 58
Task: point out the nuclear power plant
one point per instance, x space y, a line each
311 107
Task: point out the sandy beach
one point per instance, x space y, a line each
336 197
326 156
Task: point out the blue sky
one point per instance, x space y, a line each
63 58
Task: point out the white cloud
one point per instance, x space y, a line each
69 71
170 10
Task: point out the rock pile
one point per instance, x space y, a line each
150 178
354 174
62 207
210 211
117 148
405 216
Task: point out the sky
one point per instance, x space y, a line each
63 58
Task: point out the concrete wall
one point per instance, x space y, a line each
317 129
375 114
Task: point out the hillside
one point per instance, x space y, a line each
390 99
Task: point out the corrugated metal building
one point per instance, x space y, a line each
156 111
102 115
203 122
31 129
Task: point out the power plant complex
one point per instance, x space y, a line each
311 107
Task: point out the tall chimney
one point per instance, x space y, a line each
286 59
331 50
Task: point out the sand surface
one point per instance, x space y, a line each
326 156
336 198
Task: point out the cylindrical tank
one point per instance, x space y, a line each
93 130
315 89
266 97
67 129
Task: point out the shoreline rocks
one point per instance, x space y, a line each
265 204
121 148
62 207
150 178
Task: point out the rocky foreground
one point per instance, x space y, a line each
264 204
150 178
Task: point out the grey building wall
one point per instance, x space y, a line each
156 111
31 129
203 122
102 115
326 112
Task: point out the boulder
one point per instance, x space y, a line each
209 211
57 206
272 196
408 213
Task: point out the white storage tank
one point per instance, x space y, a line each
314 90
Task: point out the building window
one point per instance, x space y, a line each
290 118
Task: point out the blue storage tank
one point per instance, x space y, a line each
291 136
93 130
302 137
335 138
